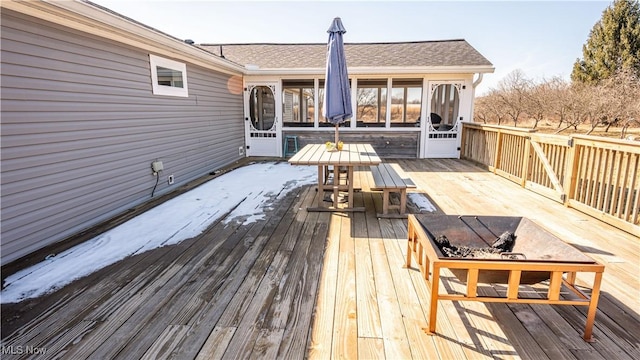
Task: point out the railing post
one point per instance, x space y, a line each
498 155
463 139
571 167
525 161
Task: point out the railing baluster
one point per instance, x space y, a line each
599 175
631 184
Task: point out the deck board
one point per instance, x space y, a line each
345 330
328 285
367 305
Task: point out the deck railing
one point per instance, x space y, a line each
596 175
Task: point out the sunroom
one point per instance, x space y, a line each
408 98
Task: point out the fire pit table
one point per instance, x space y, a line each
536 256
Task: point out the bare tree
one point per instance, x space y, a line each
512 92
628 95
538 101
557 99
481 110
576 104
367 103
612 103
496 106
600 106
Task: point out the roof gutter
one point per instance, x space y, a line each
375 70
478 80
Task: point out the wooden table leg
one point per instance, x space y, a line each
350 185
593 307
321 182
336 185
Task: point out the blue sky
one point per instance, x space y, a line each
542 38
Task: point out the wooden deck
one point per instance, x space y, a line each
331 285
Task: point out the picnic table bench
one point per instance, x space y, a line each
389 178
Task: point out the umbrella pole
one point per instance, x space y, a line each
336 142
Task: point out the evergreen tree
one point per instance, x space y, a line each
613 44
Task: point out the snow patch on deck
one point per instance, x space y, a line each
246 193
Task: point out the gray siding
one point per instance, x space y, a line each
80 128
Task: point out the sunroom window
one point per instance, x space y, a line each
298 104
406 102
372 103
168 77
322 120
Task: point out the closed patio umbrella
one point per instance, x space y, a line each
337 94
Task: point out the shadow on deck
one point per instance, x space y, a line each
322 285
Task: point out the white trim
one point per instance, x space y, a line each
159 89
387 117
381 70
348 129
354 103
426 94
316 105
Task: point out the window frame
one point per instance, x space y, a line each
381 88
154 62
297 87
385 123
405 84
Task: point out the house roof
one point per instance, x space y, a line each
443 56
416 54
91 18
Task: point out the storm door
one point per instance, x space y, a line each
263 131
442 129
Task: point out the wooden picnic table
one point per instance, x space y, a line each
331 161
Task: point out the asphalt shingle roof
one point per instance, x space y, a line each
392 54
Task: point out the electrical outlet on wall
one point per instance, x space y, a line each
156 167
241 150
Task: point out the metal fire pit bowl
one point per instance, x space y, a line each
532 244
545 257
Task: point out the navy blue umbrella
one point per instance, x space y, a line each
337 94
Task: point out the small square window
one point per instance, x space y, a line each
168 77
